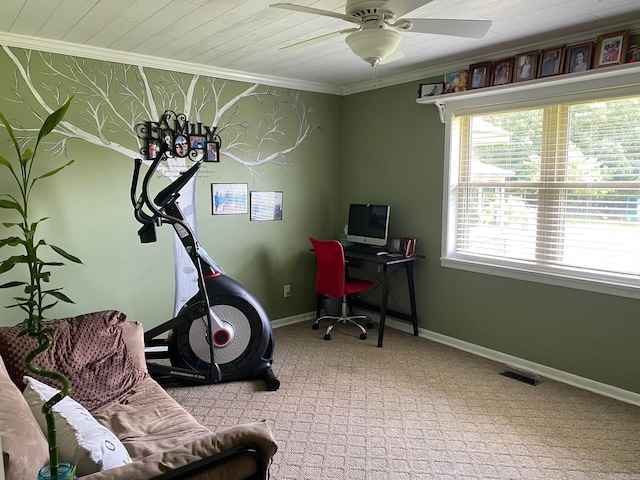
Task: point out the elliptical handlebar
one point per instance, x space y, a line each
164 199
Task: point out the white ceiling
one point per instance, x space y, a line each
241 39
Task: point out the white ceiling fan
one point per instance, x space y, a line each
376 38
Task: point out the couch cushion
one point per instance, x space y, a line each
257 435
148 420
81 439
88 349
24 447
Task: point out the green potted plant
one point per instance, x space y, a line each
36 298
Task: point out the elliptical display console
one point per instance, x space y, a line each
222 333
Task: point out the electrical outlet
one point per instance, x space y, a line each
287 290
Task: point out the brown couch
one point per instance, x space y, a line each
103 355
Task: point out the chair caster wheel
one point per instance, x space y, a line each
327 336
315 326
363 336
370 324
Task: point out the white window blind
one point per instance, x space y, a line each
553 190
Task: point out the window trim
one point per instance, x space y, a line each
624 80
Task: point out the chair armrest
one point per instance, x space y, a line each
226 451
219 459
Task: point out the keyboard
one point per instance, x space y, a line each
359 248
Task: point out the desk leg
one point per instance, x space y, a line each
412 297
383 304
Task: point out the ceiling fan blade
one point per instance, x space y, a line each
402 7
455 28
316 11
397 54
321 38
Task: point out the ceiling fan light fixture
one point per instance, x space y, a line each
373 46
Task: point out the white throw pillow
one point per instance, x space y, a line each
81 439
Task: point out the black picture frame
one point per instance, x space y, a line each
181 146
266 206
197 142
212 153
153 148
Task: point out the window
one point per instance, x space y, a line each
548 193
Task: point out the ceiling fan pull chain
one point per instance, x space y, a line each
375 74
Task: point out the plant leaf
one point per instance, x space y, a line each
59 296
12 241
7 125
53 120
11 262
6 163
11 204
26 156
52 172
13 284
66 255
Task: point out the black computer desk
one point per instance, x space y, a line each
387 266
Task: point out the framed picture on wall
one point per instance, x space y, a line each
213 152
266 206
611 49
229 198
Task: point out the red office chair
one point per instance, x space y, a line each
333 280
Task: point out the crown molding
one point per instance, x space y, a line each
129 58
422 74
414 75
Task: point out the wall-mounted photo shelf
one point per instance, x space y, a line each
626 75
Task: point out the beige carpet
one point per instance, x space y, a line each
415 409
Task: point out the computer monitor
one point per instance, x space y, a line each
368 224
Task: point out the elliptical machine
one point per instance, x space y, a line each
222 333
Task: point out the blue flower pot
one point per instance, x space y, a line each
64 472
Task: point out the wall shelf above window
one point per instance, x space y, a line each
626 75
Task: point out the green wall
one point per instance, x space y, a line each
394 150
88 203
378 147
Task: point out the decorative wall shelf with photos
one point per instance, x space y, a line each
626 75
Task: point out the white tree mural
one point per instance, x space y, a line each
115 97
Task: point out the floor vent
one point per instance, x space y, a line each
522 376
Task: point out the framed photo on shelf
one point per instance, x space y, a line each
551 62
525 66
430 89
395 245
501 71
611 49
409 247
266 206
229 198
479 75
579 57
451 79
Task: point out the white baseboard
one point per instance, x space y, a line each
522 364
303 317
